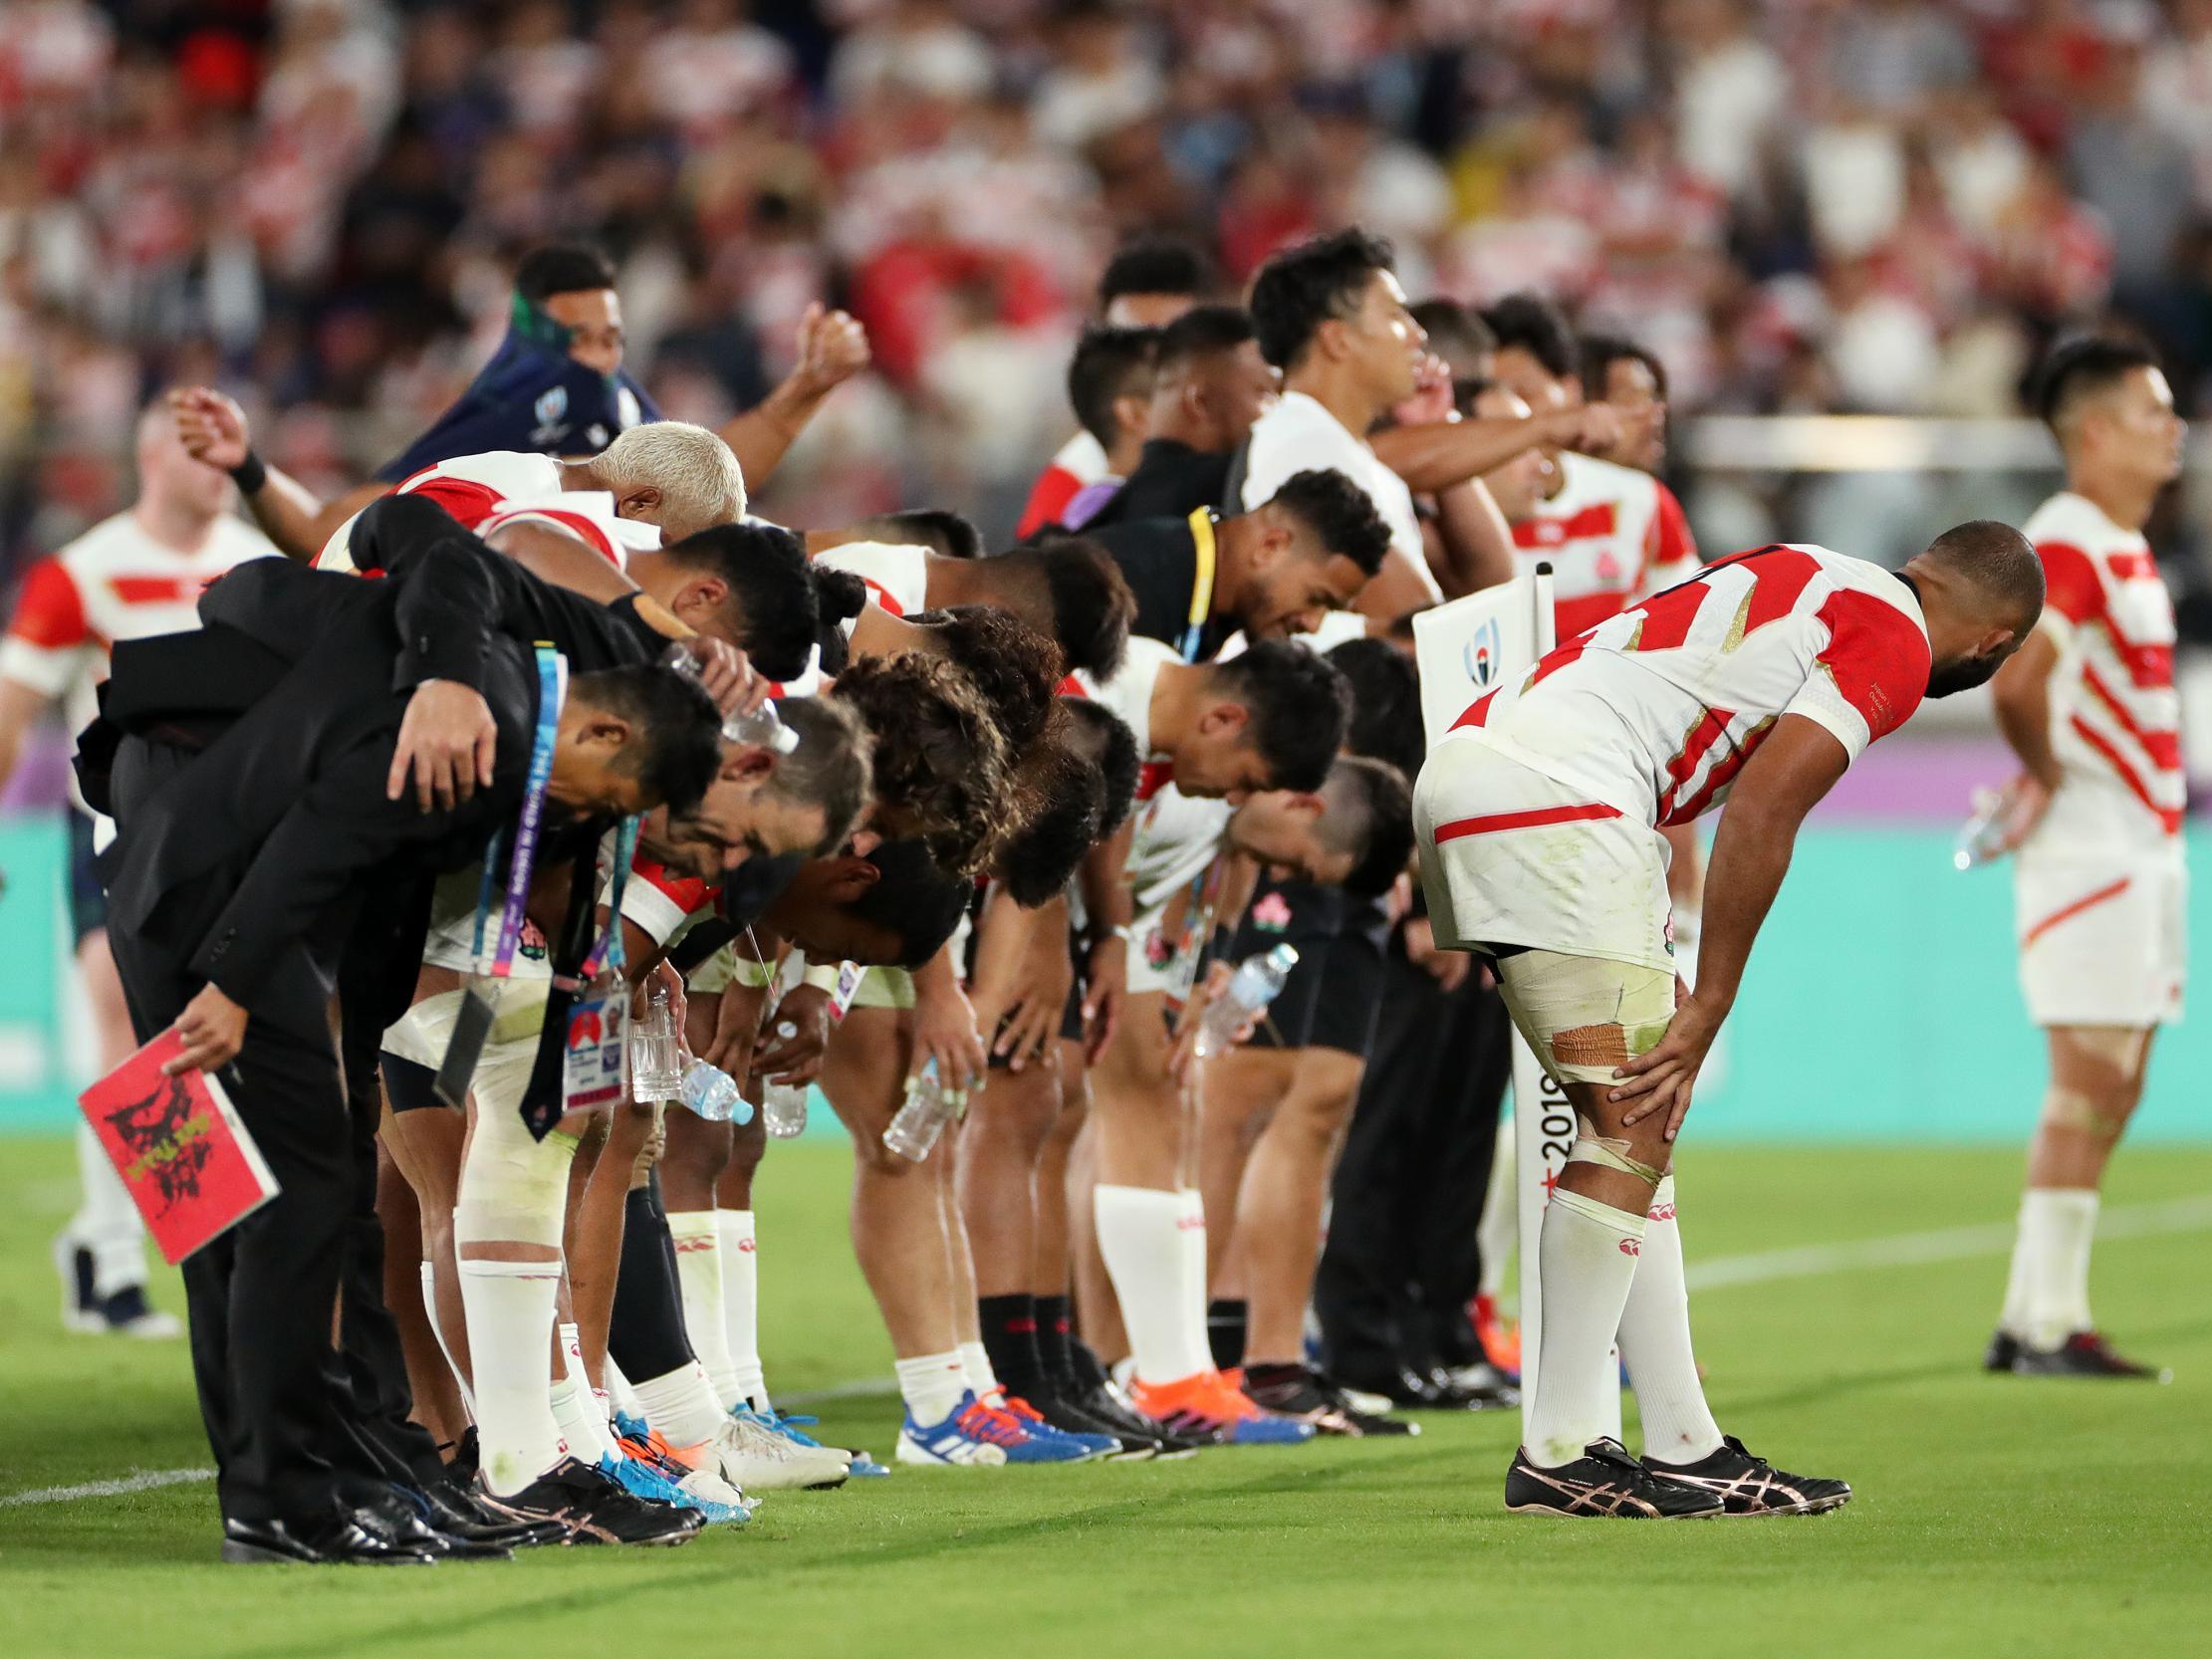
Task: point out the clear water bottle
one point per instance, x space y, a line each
1255 984
1981 840
762 728
656 1054
783 1109
712 1093
921 1121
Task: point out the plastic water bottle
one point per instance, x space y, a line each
1981 840
1255 984
655 1056
921 1120
762 728
712 1093
783 1109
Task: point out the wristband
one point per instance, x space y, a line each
754 975
823 975
250 474
1099 935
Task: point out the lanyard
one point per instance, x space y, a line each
1201 586
552 687
608 953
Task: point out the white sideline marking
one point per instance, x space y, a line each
143 1481
1899 1249
1950 1244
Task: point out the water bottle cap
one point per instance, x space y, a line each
1284 956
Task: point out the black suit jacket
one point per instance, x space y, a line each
253 864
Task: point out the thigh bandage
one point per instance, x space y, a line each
513 1188
1585 1014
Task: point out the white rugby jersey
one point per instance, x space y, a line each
112 583
2115 715
897 574
1298 434
1653 712
1176 834
1614 536
502 487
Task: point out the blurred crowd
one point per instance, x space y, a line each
1801 204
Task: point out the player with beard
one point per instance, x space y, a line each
1536 820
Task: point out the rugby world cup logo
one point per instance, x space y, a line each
1480 655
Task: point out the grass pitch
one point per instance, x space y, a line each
1993 1516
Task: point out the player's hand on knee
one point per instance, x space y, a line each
213 1029
1658 1083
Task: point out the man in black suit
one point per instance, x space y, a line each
268 840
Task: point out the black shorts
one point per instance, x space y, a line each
1344 1014
408 1085
1331 997
88 904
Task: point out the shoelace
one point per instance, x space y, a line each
786 1425
1000 1428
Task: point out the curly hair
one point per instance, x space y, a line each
1016 669
939 758
1067 800
1339 512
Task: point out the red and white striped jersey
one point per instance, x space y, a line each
2114 714
1613 535
112 583
897 574
502 487
1653 712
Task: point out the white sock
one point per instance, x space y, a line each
1586 1260
1190 1239
580 1409
510 1328
621 1398
741 1308
932 1387
2057 1227
1140 1238
430 1313
1678 1427
107 1221
975 1365
681 1405
697 1236
1500 1228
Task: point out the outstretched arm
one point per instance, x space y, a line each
832 348
213 429
1793 768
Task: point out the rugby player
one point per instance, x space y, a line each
2090 707
1110 387
1536 820
1209 386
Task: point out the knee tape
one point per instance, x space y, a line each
513 1188
1610 1154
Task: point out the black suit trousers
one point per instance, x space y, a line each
1402 1261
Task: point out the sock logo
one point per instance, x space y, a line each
746 1245
1190 1224
1662 1212
1631 1247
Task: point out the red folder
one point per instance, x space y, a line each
180 1146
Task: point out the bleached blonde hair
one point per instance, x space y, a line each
700 480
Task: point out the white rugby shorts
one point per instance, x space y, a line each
2103 940
1510 856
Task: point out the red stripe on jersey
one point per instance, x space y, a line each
1719 778
1711 727
469 501
1071 686
2169 816
1877 657
2163 748
1779 577
580 524
154 589
2070 585
2149 668
1588 524
2067 912
2131 566
1056 486
50 613
1559 659
1478 712
687 892
1533 818
883 598
1153 777
1584 611
1667 616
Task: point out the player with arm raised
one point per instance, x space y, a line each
1537 820
2089 705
